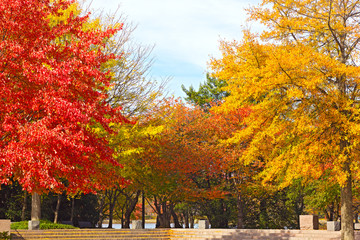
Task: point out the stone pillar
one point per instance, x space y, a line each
333 226
136 224
309 222
34 225
204 224
356 226
5 225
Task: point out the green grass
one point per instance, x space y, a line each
44 224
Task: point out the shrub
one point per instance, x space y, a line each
4 236
44 224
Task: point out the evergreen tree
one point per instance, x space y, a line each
209 92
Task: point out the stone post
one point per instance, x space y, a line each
136 224
333 226
356 226
309 222
204 224
5 225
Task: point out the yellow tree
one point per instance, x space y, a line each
301 78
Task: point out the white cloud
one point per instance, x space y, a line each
185 31
189 29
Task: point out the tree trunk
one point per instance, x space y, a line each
192 221
330 212
131 207
143 211
327 216
164 215
337 211
56 217
101 201
35 207
175 217
122 216
157 225
347 227
72 210
111 214
186 218
240 211
164 220
112 196
122 220
24 206
161 207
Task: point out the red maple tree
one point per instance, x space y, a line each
52 92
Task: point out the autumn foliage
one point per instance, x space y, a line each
180 150
286 110
302 77
52 94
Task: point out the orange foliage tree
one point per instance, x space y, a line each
186 154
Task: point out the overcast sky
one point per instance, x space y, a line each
186 33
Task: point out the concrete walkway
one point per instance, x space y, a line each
177 234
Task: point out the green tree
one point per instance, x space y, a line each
324 196
209 92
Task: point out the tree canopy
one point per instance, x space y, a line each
53 91
301 80
209 92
